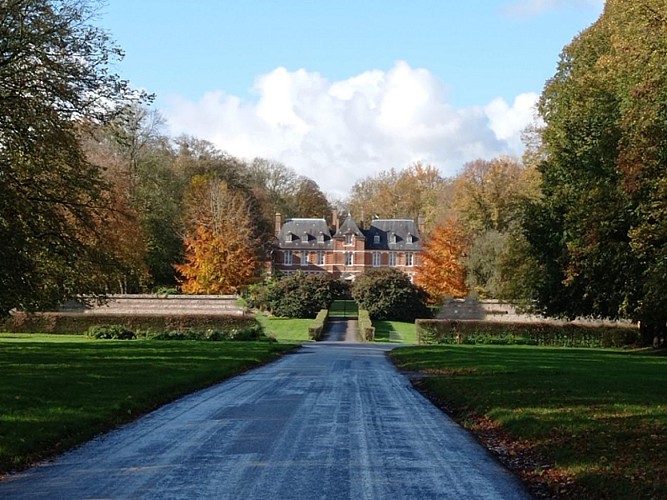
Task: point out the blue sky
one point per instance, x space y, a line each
342 89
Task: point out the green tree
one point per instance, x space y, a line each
488 198
483 263
598 235
54 75
297 295
388 294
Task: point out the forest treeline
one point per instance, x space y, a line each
96 198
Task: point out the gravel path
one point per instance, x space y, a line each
334 420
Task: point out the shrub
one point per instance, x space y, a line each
72 323
316 328
546 334
116 332
365 326
251 332
388 294
300 295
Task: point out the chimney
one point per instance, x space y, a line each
334 216
278 223
420 225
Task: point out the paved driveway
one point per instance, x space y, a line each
334 420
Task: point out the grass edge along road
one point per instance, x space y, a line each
285 330
573 423
58 391
395 332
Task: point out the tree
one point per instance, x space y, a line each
53 76
300 295
599 233
388 294
488 195
154 188
309 201
277 183
138 164
441 272
417 190
220 242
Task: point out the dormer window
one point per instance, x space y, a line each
320 237
392 239
376 239
409 239
348 239
304 238
289 237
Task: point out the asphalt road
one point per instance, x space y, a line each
334 420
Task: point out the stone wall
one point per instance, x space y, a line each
489 310
141 304
493 310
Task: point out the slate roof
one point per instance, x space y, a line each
384 234
393 234
305 233
349 227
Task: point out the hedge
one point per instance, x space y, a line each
316 328
71 323
545 334
365 325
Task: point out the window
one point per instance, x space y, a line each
392 259
287 257
349 258
376 239
288 238
409 239
348 239
304 258
409 258
376 259
393 238
320 258
320 237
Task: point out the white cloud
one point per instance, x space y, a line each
340 132
507 122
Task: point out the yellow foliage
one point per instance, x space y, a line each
220 250
441 272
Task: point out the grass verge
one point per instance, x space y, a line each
58 391
285 330
395 332
573 423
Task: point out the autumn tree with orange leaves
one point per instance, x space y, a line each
220 240
442 272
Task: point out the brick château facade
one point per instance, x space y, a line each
345 251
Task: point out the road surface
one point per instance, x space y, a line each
334 420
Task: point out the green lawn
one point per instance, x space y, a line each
595 421
286 330
395 331
57 391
